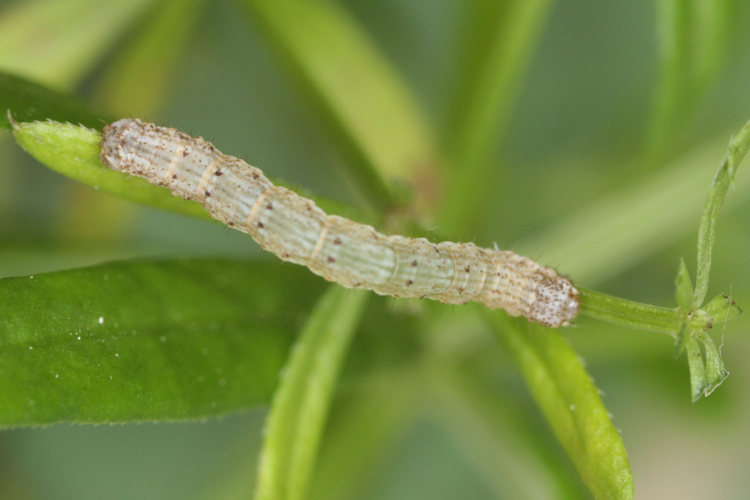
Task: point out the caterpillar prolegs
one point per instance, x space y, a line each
336 248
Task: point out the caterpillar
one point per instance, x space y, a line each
338 249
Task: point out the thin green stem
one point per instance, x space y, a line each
629 313
738 148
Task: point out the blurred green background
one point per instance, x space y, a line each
577 133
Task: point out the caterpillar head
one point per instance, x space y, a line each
556 300
121 141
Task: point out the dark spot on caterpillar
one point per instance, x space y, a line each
185 152
218 173
357 284
331 259
230 223
208 193
337 241
255 175
269 206
174 176
409 282
414 263
286 255
460 290
467 269
261 225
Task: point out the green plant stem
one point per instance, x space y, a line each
738 148
300 405
629 313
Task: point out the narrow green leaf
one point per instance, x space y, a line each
696 363
683 288
138 76
500 38
357 92
379 397
301 404
57 42
716 372
27 101
722 309
571 404
146 340
74 151
738 148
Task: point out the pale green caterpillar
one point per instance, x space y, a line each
340 250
